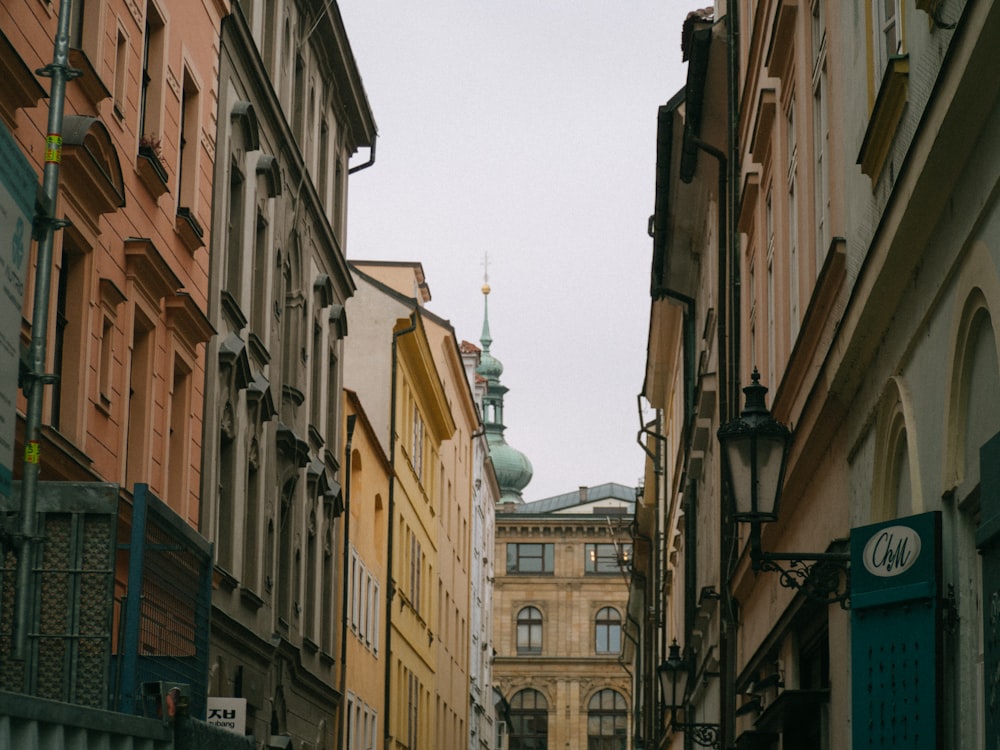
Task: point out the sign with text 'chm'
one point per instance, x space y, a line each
896 638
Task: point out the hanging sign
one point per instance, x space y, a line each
896 632
18 188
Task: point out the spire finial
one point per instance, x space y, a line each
486 272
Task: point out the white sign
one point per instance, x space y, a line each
18 187
228 713
891 551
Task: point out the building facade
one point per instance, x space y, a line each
560 602
483 716
291 114
407 363
111 335
365 561
825 225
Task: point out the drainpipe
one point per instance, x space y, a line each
390 582
45 225
351 419
727 623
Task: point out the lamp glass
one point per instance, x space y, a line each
755 447
673 674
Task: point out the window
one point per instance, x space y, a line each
821 134
139 399
179 442
107 360
258 299
284 552
69 351
188 162
888 34
607 721
530 558
529 631
234 229
793 221
417 443
608 631
603 559
151 92
529 721
121 72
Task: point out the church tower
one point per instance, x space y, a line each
513 469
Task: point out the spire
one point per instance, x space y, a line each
513 469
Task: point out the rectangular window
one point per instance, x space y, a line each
355 590
605 559
888 37
234 230
793 221
317 386
153 75
417 443
258 281
121 73
187 177
821 135
107 361
139 400
178 442
531 558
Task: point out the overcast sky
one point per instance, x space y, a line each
526 130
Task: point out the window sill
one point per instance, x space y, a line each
151 171
190 231
886 114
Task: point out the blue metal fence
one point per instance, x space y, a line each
164 627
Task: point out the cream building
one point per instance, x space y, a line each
826 217
559 608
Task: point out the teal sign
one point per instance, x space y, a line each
988 542
896 633
18 188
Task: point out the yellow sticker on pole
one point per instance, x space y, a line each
53 148
32 452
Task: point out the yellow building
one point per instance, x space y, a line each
366 527
406 366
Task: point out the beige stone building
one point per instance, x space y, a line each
562 583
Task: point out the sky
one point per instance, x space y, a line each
525 131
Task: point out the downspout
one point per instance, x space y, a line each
390 582
351 419
727 624
45 225
728 535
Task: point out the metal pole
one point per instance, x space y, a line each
45 226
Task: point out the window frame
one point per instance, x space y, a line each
516 558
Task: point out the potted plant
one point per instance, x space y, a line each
150 164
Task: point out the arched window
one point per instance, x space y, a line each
608 631
607 721
529 721
529 631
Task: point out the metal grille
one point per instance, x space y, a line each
166 608
69 629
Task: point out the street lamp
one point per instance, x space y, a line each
754 454
673 674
